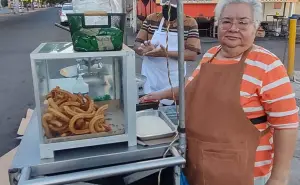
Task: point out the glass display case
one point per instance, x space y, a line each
83 98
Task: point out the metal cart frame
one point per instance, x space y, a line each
99 162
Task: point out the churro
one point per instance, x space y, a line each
75 118
59 115
70 114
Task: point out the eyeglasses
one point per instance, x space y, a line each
241 24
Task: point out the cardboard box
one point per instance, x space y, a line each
24 122
5 164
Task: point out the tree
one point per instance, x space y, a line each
4 3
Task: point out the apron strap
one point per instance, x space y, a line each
212 58
266 131
244 56
242 60
161 24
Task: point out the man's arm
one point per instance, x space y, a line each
192 44
141 37
188 55
136 48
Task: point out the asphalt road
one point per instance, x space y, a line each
19 35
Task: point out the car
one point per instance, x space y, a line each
66 8
58 5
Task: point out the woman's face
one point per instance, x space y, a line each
236 26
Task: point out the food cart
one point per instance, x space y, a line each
64 159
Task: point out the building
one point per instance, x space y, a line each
205 8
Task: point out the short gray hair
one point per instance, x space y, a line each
255 5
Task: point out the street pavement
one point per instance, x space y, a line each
20 35
4 10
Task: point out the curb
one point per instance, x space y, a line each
22 13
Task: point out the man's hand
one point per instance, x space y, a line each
146 47
157 52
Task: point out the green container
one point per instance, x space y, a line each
90 38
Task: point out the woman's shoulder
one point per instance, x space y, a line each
214 49
262 55
209 53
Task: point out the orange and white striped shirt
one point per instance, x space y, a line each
265 90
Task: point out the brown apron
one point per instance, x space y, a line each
221 140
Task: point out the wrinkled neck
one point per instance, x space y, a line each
231 53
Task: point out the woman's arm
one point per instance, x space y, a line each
167 94
278 100
160 95
284 147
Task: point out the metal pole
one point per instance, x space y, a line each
180 28
124 5
25 174
134 15
292 46
284 8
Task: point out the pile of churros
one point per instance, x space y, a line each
68 114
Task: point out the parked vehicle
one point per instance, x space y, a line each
58 5
66 8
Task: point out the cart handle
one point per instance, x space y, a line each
99 173
95 13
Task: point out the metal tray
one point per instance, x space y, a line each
164 117
170 111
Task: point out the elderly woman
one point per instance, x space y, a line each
241 113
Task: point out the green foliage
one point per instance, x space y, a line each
4 3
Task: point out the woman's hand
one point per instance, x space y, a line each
154 96
146 47
276 182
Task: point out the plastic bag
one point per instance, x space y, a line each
97 38
183 180
109 6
